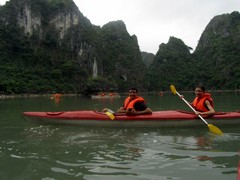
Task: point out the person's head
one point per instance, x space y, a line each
199 90
133 92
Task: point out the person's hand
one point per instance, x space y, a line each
181 96
198 113
131 112
121 110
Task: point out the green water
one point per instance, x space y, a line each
52 152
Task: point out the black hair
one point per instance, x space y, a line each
133 88
201 87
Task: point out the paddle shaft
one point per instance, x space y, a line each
192 108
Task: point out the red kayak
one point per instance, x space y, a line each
238 171
168 118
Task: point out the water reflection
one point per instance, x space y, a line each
134 153
131 151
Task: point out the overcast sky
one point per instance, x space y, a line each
154 21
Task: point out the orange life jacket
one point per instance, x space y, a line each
129 104
199 103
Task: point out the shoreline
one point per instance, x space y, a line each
4 96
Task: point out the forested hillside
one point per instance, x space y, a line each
147 58
170 65
49 46
217 55
215 62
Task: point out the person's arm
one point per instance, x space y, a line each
140 108
146 111
121 110
211 110
182 97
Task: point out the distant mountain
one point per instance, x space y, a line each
169 65
49 46
218 53
147 58
215 62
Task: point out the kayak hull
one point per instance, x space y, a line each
169 118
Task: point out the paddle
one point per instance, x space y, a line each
110 114
213 129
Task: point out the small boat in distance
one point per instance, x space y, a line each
103 95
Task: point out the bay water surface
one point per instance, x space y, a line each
61 152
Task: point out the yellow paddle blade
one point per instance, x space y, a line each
110 115
173 89
215 130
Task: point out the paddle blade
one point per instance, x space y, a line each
173 89
110 115
215 130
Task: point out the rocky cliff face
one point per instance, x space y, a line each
59 19
48 45
31 17
147 58
218 52
28 22
58 33
123 58
222 29
168 66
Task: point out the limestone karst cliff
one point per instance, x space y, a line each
63 42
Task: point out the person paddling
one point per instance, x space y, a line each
203 102
133 104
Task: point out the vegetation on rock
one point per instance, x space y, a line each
49 46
